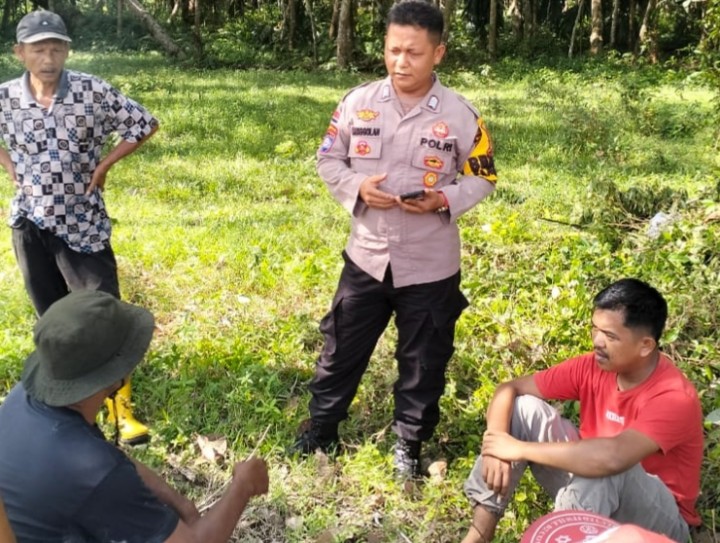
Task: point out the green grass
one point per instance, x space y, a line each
224 231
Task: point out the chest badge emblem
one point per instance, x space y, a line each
367 115
429 179
434 162
362 148
440 130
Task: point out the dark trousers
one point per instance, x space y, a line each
425 317
51 269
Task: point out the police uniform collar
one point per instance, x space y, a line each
27 98
430 102
386 90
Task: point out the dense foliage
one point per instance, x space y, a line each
312 33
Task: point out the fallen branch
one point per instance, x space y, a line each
157 32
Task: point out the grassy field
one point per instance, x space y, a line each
225 232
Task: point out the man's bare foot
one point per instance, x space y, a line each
482 528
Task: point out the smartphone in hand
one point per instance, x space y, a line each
414 195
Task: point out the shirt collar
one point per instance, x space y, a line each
27 98
430 102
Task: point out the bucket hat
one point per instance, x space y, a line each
41 25
85 342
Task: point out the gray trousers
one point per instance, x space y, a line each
633 496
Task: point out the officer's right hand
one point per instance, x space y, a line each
253 474
373 196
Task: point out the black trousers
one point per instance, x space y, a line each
425 316
51 269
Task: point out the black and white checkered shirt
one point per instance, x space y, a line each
55 152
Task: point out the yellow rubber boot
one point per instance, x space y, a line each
132 431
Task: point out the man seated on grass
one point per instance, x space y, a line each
60 479
637 455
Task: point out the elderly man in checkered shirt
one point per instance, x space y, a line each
54 123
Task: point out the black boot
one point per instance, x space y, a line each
407 459
316 435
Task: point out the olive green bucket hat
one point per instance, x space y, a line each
85 342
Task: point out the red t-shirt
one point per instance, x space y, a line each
665 408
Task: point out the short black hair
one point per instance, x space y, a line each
418 14
642 305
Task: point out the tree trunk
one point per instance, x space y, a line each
596 27
311 16
174 10
156 31
8 9
119 18
555 15
516 18
235 9
448 15
535 8
197 29
290 23
492 29
185 11
581 8
332 30
632 17
383 8
345 38
648 34
527 29
615 23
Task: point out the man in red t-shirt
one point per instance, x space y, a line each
636 457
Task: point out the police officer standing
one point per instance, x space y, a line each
406 157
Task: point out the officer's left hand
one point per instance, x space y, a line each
431 202
98 179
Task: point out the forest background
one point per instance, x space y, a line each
605 117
